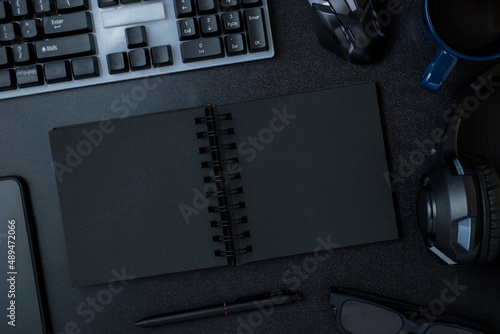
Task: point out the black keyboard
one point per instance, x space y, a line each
50 45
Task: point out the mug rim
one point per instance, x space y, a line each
446 47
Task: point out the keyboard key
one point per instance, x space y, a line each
43 7
4 12
187 29
9 33
136 37
209 25
129 1
7 80
84 68
231 22
251 3
202 49
30 29
107 3
139 59
21 9
57 72
5 57
162 56
117 63
67 24
66 6
23 54
184 8
229 4
65 47
235 45
257 39
206 6
29 76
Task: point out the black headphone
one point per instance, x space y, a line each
459 200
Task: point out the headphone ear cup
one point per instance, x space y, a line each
490 245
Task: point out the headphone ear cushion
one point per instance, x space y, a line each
490 245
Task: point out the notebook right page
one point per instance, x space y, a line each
313 170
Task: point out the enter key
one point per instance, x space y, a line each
68 24
257 38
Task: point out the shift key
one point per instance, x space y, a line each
65 47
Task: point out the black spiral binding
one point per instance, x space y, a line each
235 191
221 178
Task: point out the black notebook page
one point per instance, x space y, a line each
314 178
120 205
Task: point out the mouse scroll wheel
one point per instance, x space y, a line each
349 35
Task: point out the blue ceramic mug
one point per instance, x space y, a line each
460 29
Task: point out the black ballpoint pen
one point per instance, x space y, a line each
239 305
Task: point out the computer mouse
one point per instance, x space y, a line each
353 29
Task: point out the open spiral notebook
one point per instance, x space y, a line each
218 185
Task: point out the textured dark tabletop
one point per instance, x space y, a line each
403 270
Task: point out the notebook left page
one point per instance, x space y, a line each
132 197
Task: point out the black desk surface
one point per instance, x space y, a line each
403 270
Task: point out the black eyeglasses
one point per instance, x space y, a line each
360 313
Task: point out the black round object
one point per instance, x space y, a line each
471 27
489 180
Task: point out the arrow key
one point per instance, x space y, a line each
162 56
136 37
84 68
139 59
57 72
184 8
210 26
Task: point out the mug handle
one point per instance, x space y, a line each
438 71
